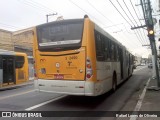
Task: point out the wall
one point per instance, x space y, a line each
23 41
6 41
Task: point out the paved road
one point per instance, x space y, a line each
124 99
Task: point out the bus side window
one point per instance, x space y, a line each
0 63
127 58
112 51
99 46
106 50
19 61
115 52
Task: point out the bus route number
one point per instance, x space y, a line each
72 57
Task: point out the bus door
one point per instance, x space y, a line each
20 70
1 72
121 62
8 70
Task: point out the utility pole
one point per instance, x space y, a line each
147 14
50 15
147 11
146 45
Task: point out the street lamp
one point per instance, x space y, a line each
50 15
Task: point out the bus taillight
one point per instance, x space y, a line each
88 66
88 75
88 69
35 75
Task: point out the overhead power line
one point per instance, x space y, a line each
7 26
120 12
125 13
42 6
108 20
131 44
138 35
40 10
99 11
140 32
129 11
86 12
139 20
113 25
124 18
39 7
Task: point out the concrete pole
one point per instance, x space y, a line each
154 53
153 67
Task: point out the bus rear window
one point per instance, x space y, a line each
60 34
19 60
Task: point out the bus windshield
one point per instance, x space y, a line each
60 35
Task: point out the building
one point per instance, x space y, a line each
19 41
6 41
23 41
138 59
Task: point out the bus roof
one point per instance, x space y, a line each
6 52
60 21
20 53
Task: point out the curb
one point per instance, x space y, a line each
30 82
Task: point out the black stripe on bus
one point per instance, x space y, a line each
59 55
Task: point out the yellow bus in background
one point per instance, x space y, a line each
77 57
13 68
22 68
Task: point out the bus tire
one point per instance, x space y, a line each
114 82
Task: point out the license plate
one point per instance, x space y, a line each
58 76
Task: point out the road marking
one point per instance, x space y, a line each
140 69
139 103
44 103
1 98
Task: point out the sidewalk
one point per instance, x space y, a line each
30 82
151 101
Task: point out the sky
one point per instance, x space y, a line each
21 14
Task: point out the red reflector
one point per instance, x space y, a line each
35 75
88 66
81 87
88 76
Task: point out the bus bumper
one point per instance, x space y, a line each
65 87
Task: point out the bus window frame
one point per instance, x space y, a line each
56 48
107 53
20 62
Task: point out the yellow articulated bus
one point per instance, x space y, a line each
13 68
77 57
